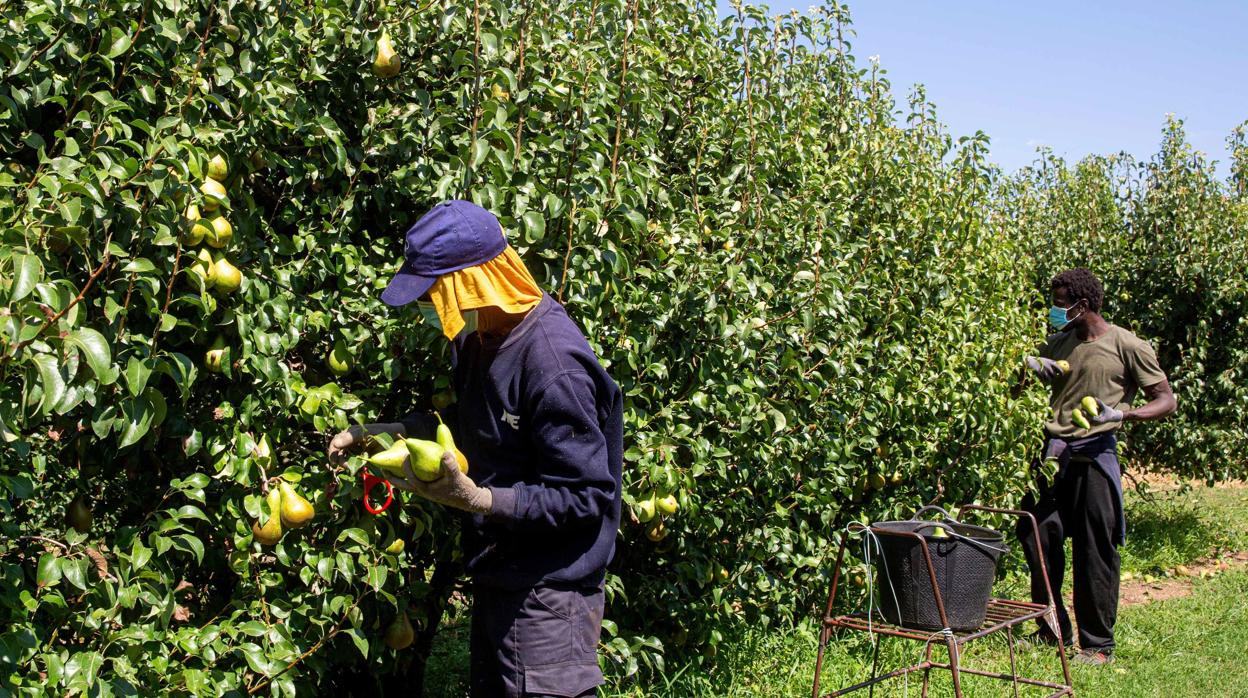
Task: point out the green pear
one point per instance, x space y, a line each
1079 420
226 277
339 359
391 459
447 441
387 62
426 459
214 194
1090 405
399 635
221 233
218 169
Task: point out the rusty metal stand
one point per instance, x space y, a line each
1003 615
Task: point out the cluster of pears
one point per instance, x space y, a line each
287 508
1088 405
217 272
652 511
425 456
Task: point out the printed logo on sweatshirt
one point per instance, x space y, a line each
512 420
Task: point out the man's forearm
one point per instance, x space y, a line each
1162 406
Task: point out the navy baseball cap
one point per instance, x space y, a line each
453 235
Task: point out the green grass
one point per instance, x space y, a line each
1192 646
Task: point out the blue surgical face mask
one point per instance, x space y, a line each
1058 318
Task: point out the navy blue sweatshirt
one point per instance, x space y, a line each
542 425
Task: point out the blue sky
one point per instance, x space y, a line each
1097 76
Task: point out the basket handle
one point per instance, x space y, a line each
933 507
958 536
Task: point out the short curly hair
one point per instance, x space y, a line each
1081 284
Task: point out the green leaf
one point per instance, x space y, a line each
361 642
117 43
137 373
139 555
75 572
48 571
95 349
376 576
139 266
534 226
27 272
51 380
136 419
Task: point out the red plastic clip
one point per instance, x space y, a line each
370 480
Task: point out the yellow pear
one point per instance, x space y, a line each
339 359
668 505
195 230
1090 405
447 441
214 194
227 277
426 459
396 546
657 531
218 169
271 531
221 234
215 355
645 510
204 267
387 63
296 511
399 635
1064 366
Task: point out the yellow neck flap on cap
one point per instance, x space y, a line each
503 282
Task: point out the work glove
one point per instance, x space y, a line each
1046 369
1107 414
346 441
453 489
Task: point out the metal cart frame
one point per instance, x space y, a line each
1003 614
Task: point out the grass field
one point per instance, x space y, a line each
1192 643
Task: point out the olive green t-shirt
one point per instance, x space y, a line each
1112 367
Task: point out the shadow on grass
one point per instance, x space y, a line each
1164 531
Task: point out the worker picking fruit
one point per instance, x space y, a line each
1094 370
531 451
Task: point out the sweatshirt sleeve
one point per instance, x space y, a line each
423 425
574 475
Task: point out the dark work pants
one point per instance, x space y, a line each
541 641
1079 506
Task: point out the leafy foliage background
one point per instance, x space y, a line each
815 299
